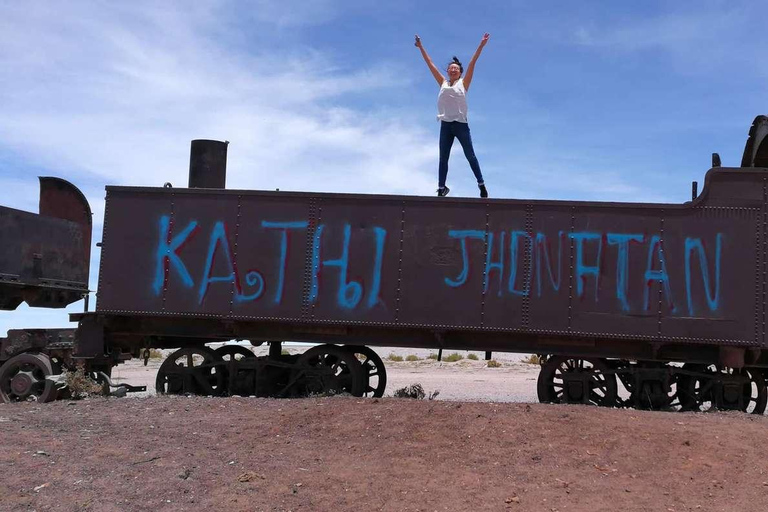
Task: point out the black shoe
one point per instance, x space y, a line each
442 192
483 191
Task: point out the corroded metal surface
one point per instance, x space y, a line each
669 273
44 259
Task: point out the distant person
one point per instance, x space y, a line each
452 114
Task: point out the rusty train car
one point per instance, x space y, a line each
646 305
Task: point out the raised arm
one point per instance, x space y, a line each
471 68
435 72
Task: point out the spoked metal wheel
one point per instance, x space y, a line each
193 370
373 369
240 380
570 380
236 352
330 370
726 388
23 378
651 385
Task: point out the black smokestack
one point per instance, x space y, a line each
208 164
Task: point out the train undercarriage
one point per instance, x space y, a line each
359 371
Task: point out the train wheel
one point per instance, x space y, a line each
23 378
744 389
757 391
658 387
373 369
194 370
233 352
571 380
240 383
689 387
330 370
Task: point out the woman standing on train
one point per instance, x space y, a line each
452 114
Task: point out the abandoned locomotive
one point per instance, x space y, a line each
668 300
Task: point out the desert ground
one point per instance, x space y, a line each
481 444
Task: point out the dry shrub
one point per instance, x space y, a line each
155 353
493 364
432 356
452 358
415 391
394 357
473 357
81 385
412 357
532 359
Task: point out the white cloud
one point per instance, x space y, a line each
112 94
117 98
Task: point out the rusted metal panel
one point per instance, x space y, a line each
712 259
443 259
27 340
128 273
353 260
274 238
609 278
551 256
205 227
44 259
530 268
507 266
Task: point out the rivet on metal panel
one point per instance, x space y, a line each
485 264
234 255
400 263
570 274
528 265
308 257
170 237
661 282
764 256
315 265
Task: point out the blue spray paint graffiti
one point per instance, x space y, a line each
513 248
491 265
283 227
622 264
542 248
512 260
588 262
253 277
463 235
661 276
349 293
583 270
167 253
691 244
381 238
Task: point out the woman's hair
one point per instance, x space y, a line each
457 62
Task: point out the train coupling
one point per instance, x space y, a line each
119 389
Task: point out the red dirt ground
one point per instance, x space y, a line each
192 453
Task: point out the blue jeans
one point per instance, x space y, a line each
449 131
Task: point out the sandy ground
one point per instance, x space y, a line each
342 453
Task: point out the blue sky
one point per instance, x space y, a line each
605 101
